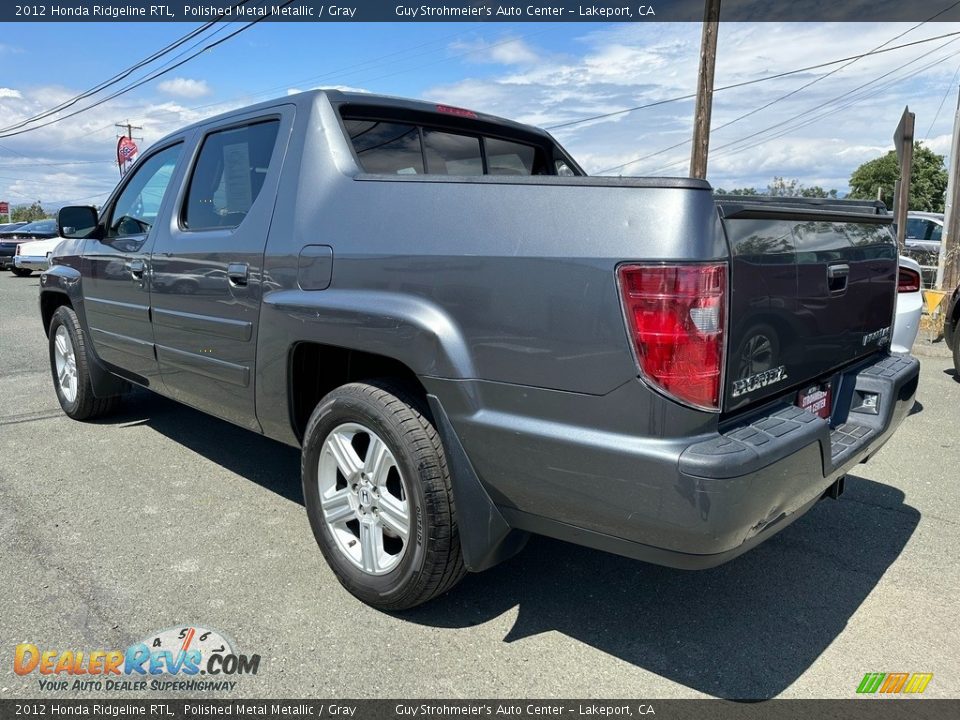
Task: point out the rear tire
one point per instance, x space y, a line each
378 496
70 368
21 272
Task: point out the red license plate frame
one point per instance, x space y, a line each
817 398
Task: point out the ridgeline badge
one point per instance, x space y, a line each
180 651
760 380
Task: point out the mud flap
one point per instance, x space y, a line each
486 538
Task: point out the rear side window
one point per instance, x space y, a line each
509 158
451 154
228 175
393 148
386 147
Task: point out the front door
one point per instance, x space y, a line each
115 276
207 268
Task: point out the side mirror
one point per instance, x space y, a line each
76 221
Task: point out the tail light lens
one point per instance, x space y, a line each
676 315
17 251
908 280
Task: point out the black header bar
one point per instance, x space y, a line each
478 11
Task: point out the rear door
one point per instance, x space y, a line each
810 293
207 266
115 278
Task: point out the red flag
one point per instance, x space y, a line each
126 152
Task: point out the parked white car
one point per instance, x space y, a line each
35 255
906 321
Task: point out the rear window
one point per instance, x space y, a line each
393 148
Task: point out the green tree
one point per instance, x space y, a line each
928 181
28 213
737 191
781 187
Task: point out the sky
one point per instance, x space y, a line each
541 73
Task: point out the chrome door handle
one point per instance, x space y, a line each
136 268
238 274
837 277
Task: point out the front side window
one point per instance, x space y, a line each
139 203
229 175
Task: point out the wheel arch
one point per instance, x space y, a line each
314 369
50 300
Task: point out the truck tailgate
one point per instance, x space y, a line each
812 289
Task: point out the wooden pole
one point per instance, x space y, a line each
947 269
903 139
701 117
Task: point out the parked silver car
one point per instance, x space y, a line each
922 242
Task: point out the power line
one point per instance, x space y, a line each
123 74
781 97
152 76
876 91
747 82
942 101
792 125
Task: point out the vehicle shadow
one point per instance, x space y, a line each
745 630
270 464
952 373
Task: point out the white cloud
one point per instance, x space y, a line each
817 135
10 93
341 88
184 87
505 51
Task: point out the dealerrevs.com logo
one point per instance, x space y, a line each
188 658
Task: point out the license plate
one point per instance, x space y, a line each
816 399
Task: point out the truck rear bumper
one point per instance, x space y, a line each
700 503
31 262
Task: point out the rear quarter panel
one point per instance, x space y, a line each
501 280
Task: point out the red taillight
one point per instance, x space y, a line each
908 280
676 316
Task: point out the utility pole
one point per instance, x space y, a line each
701 117
130 128
947 270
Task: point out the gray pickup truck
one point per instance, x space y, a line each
471 341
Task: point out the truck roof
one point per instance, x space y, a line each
361 100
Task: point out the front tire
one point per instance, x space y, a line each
378 496
21 272
70 368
